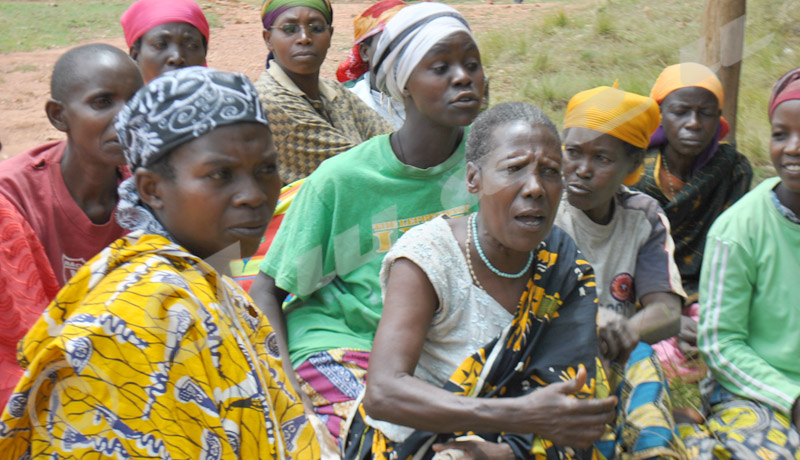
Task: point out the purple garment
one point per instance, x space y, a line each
659 138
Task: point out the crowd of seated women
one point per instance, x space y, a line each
426 279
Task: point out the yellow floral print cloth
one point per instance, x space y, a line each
148 352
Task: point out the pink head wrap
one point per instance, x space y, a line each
143 15
786 89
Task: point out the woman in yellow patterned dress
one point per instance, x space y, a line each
149 351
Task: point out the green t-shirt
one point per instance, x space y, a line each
749 311
330 245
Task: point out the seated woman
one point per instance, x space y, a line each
355 73
148 351
163 36
363 200
312 118
694 177
504 277
749 315
58 200
625 236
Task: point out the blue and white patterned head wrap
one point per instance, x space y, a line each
171 110
408 36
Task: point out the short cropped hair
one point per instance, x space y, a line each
68 67
480 134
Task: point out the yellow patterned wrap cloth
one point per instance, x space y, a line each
148 352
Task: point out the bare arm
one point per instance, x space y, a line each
395 395
659 318
269 298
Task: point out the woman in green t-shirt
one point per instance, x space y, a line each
348 213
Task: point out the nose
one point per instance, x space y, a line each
251 193
532 186
584 168
461 76
694 120
792 146
176 57
304 35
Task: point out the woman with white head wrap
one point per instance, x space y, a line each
419 171
408 36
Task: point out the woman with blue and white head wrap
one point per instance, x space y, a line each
148 351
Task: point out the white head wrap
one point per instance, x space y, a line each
408 36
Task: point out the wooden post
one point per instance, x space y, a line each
722 48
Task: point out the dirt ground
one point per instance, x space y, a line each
235 46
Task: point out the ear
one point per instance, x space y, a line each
57 115
363 51
267 35
150 185
473 178
134 52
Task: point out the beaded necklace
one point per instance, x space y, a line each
486 259
469 258
669 176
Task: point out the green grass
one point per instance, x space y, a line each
29 26
548 59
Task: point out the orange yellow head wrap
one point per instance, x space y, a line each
687 74
627 116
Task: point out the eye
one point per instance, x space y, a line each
551 171
439 69
267 169
290 29
220 175
192 45
571 153
317 28
513 168
778 135
159 45
102 102
473 66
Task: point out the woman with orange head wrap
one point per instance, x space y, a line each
625 236
694 177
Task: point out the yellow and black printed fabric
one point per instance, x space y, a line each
149 353
553 333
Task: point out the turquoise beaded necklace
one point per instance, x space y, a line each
473 222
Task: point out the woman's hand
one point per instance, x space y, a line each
687 338
478 450
617 338
554 415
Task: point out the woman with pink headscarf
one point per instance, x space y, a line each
749 313
163 36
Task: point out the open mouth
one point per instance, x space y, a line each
466 99
577 189
792 168
531 219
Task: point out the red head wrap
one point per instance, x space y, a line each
370 22
786 89
143 15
